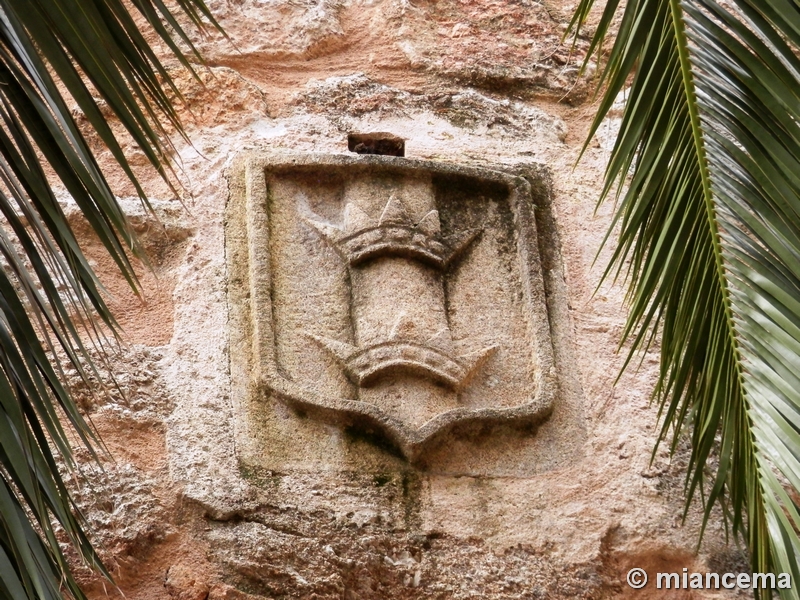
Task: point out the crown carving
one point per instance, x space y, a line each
394 234
365 366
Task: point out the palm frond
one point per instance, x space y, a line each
710 222
97 53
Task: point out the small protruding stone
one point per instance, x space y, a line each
386 144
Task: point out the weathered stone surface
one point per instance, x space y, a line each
204 507
507 45
401 301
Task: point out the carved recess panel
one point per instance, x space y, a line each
380 307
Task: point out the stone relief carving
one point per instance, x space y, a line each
401 327
395 298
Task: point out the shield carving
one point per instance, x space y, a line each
398 298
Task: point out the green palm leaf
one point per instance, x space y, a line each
94 49
710 222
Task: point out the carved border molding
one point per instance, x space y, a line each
253 300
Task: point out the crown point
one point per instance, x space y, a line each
355 219
394 213
326 230
474 361
459 242
341 350
430 225
442 339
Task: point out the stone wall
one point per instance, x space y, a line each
204 500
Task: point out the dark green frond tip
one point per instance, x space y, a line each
710 223
91 49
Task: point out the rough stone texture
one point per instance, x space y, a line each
482 84
400 301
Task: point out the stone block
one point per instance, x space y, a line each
388 313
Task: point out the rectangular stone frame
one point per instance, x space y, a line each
272 435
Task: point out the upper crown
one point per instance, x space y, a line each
394 234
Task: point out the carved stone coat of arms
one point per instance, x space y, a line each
397 299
